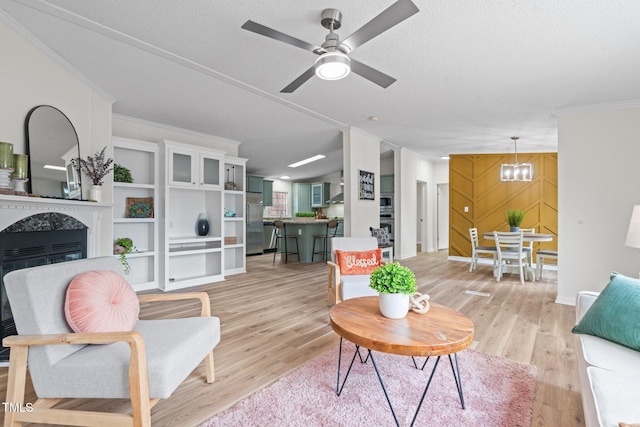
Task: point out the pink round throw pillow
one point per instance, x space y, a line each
101 301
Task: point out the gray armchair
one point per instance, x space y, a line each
144 365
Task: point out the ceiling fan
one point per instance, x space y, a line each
334 62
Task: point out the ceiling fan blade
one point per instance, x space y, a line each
371 74
277 35
299 81
390 17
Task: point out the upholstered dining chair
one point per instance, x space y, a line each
343 281
510 252
476 250
143 363
384 240
541 256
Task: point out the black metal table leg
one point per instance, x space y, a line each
455 370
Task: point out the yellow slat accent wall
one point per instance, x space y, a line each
474 181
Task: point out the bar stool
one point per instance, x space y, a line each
332 229
280 230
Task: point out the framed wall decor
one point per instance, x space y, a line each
367 185
139 207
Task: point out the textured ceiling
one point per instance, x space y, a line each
470 74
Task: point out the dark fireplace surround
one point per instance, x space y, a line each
39 239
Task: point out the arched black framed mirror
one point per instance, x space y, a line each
54 150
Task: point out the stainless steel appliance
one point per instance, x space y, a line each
386 203
255 228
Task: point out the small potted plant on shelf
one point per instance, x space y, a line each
121 174
514 218
395 284
122 247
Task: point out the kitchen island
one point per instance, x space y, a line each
304 229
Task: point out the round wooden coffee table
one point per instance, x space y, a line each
442 331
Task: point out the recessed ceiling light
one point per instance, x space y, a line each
445 157
305 161
58 168
285 177
373 118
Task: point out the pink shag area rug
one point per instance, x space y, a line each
497 392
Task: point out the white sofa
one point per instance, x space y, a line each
609 375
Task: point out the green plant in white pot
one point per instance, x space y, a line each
395 284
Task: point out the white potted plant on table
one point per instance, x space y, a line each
395 284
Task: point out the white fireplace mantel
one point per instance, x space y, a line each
16 208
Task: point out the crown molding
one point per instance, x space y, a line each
634 103
176 129
36 42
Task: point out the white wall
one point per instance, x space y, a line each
31 77
412 168
598 185
361 152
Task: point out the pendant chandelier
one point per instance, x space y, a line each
516 171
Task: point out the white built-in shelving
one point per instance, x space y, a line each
141 158
193 185
234 215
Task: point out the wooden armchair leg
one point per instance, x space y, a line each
17 377
139 384
208 365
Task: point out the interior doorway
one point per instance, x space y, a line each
422 235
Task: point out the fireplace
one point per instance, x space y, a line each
40 239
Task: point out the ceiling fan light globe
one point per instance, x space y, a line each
333 66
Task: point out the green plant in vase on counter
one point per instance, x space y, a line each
305 215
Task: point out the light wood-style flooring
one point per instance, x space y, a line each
275 318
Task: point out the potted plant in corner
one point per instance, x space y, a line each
514 218
395 284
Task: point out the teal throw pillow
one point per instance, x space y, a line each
615 314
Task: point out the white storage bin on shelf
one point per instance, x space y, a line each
136 209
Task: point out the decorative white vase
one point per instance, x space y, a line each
95 193
393 306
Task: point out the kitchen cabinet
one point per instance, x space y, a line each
141 158
193 167
300 197
320 194
267 193
254 184
386 184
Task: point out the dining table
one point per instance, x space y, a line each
526 237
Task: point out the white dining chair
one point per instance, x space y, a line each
510 251
477 249
541 256
528 246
